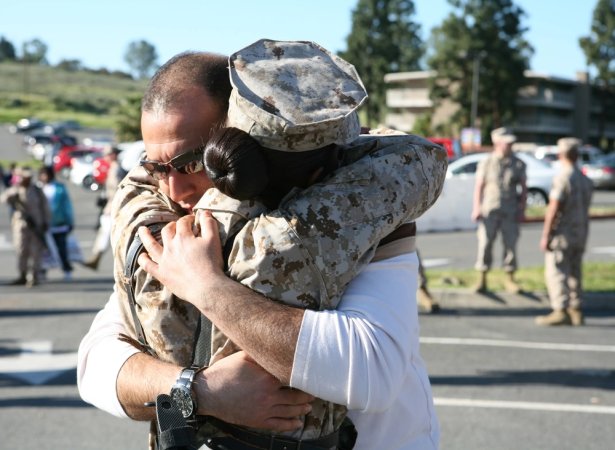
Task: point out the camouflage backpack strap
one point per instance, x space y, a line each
130 267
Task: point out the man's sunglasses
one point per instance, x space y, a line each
187 163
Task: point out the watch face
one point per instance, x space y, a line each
182 398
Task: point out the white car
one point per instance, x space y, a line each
453 209
539 174
81 172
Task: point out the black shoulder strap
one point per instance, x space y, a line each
130 267
202 338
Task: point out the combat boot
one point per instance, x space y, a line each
481 285
559 317
576 316
93 262
510 284
426 301
21 281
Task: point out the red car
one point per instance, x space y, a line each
100 168
62 160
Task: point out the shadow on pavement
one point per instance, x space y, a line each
581 377
44 402
45 312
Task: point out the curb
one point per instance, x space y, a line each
594 217
466 299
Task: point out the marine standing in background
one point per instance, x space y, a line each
499 206
564 236
29 222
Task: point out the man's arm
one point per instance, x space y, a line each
269 332
477 197
522 199
115 377
550 214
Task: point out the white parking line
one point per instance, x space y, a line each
533 406
519 344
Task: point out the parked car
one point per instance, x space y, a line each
601 172
587 154
100 169
82 169
452 146
27 125
62 161
40 145
539 174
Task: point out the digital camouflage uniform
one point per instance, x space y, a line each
499 209
29 222
573 191
305 252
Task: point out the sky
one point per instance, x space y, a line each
98 32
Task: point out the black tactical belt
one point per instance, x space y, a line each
404 231
243 439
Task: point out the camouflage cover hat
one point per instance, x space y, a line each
294 95
503 134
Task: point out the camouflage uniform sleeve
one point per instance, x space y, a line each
306 252
168 322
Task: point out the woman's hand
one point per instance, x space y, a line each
184 263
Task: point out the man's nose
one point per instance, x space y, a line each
180 187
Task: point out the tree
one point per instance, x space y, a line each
128 124
480 40
599 49
7 50
70 65
383 39
34 51
142 58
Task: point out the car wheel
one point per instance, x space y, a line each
536 197
87 182
65 172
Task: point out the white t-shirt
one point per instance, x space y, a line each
365 355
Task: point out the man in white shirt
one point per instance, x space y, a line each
370 342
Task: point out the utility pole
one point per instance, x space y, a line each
475 85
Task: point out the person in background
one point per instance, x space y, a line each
29 223
424 297
9 176
499 206
564 236
62 218
115 174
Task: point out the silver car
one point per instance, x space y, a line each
539 174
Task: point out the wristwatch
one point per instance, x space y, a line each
181 392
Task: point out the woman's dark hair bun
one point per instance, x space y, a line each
235 163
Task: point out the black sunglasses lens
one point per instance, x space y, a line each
155 170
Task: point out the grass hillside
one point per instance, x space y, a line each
53 94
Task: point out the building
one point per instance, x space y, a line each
548 107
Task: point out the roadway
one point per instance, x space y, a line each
499 381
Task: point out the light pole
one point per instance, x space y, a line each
475 85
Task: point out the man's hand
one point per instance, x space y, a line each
476 215
237 390
183 260
544 243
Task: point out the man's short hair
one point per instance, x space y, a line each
569 147
171 83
